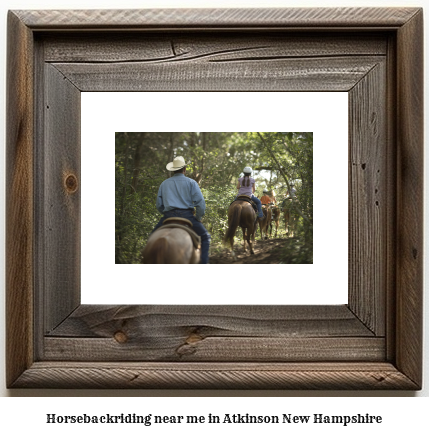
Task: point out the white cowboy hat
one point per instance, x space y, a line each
177 164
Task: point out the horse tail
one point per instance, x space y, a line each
232 228
159 252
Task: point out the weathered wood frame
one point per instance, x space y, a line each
373 342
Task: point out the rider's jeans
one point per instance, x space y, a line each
259 206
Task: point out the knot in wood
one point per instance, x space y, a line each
120 337
193 338
71 183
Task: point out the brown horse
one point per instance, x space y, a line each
241 214
172 243
290 217
266 221
276 219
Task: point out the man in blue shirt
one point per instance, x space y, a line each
177 197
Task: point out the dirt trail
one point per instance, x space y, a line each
266 251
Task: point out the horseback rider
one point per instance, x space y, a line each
266 199
246 186
177 197
272 195
269 199
290 195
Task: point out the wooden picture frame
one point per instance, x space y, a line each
373 342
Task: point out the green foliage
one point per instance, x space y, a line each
217 201
136 216
297 252
216 160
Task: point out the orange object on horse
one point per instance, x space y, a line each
266 200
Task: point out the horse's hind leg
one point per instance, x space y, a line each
250 239
244 239
232 248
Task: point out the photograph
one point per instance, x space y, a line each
225 197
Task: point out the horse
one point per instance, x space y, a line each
276 219
241 214
290 217
173 242
265 222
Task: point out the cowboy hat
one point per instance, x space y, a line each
177 164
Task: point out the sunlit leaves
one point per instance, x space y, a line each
215 160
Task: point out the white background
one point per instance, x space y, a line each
103 282
21 414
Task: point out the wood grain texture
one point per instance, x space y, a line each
19 198
193 347
99 321
330 74
208 18
106 375
391 193
61 206
409 279
368 202
177 47
213 333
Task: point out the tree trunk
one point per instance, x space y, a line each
137 161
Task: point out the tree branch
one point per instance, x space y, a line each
280 169
297 209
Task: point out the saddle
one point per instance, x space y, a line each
248 199
184 224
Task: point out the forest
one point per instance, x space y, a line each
215 161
